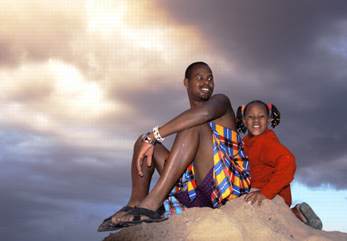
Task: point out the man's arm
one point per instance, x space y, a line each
212 109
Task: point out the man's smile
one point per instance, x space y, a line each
205 89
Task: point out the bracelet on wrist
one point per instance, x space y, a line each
157 135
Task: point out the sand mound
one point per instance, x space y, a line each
236 221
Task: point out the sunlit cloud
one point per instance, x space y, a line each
56 88
71 59
65 62
55 98
104 17
128 43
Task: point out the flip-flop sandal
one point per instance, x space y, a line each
107 224
312 219
137 213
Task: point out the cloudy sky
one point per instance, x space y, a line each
80 80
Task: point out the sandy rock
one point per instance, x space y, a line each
236 221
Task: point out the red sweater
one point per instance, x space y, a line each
272 165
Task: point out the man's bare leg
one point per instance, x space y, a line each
182 154
140 185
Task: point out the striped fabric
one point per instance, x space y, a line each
230 171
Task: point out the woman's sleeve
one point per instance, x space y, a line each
285 166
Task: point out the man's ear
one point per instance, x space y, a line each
185 82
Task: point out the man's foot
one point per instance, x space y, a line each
305 213
140 215
108 223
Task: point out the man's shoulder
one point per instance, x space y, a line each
221 97
222 100
220 105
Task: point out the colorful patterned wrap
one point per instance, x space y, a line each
230 172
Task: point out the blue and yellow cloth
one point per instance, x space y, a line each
230 172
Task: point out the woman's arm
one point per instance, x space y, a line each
284 172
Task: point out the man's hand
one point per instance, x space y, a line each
254 197
144 151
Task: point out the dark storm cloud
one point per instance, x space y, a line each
289 53
53 187
68 168
261 33
155 104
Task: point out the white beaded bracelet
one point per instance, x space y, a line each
157 135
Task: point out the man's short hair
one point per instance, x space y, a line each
191 67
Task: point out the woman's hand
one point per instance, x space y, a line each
254 197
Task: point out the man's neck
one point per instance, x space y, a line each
195 103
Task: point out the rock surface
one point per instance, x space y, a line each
236 221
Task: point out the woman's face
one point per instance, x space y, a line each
256 119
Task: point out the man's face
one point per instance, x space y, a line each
200 85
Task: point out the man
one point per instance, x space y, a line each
205 162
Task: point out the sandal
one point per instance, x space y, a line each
137 213
107 224
310 217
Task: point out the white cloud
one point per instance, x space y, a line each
56 99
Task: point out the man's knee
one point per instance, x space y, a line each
137 142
